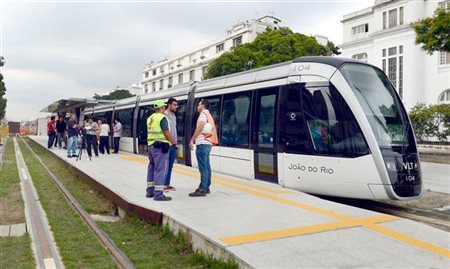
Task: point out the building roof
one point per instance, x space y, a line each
67 105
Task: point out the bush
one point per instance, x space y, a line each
431 122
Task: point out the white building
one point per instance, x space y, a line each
192 66
381 35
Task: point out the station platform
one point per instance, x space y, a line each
262 225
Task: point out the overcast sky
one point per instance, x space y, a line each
64 49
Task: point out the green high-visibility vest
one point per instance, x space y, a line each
154 130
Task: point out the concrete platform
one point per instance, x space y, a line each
262 225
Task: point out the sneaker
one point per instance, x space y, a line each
69 156
208 191
162 198
169 188
74 156
198 193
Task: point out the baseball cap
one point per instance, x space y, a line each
158 104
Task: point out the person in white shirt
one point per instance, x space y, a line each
104 137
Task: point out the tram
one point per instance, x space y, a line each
323 125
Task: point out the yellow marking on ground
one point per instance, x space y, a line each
345 219
317 228
410 240
215 176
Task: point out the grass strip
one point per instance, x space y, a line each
147 246
15 252
11 202
78 246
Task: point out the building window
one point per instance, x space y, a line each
360 56
154 72
204 52
444 97
237 41
400 76
161 84
400 11
400 49
384 65
145 88
180 78
161 69
392 18
146 74
192 59
384 20
392 51
170 66
170 82
363 28
384 52
220 47
392 71
204 70
154 86
445 5
444 57
179 63
192 75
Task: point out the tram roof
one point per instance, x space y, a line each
329 60
68 105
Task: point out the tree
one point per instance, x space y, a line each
2 92
434 33
115 95
270 47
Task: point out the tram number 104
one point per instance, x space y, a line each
301 67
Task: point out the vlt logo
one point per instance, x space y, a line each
409 166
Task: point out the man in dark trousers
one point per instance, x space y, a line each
172 106
117 134
159 140
61 132
51 131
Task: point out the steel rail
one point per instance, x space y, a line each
118 256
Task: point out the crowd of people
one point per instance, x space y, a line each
161 140
92 135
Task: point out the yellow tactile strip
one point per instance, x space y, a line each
346 221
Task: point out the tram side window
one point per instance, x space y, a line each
126 119
144 113
295 135
181 115
331 125
235 119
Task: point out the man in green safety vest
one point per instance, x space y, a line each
159 140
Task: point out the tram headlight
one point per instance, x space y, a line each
391 166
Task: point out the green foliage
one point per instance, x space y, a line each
434 33
115 95
270 47
2 99
432 121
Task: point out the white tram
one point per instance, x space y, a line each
323 125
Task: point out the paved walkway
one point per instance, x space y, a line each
436 177
262 225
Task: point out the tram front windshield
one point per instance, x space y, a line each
382 107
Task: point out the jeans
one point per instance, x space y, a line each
172 157
104 143
91 140
116 144
202 152
61 137
72 146
51 139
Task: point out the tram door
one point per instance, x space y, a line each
264 134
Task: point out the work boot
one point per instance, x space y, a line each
162 198
150 192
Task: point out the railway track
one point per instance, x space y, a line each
117 255
436 219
